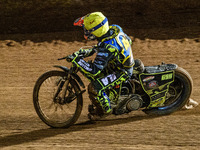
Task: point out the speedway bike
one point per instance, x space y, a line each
155 90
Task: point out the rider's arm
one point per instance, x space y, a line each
129 39
104 55
86 52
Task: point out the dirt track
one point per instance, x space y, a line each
20 128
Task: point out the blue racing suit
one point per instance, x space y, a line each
113 63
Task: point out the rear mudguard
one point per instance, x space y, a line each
75 76
155 82
160 68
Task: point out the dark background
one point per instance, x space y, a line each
156 19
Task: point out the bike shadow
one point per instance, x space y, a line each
31 136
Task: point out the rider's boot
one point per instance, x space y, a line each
96 117
97 113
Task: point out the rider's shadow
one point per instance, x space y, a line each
31 136
116 121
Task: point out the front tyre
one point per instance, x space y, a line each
57 112
177 96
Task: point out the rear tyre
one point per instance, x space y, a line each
178 95
57 113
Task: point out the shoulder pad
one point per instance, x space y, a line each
117 26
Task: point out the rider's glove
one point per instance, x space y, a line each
81 52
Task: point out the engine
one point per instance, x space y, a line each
128 88
128 104
134 102
128 100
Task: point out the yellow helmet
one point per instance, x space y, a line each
94 24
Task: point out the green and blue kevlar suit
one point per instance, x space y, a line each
112 66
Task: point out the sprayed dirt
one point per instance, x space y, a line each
20 128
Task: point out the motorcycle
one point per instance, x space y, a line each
156 90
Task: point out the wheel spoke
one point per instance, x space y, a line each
173 93
55 111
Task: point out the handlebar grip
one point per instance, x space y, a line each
69 58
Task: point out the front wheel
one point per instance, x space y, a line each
57 102
177 96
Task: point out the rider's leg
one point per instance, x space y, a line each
105 83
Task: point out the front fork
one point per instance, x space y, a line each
61 83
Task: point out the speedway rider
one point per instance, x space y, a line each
113 63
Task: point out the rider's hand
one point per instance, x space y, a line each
80 53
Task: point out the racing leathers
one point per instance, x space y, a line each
112 66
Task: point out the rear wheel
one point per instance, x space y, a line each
57 108
177 96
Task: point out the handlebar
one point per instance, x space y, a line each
70 57
63 58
